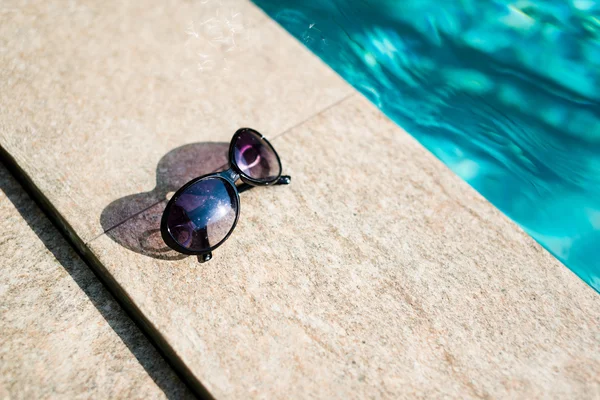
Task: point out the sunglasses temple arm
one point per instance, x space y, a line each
283 180
202 258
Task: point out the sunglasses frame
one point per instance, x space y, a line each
230 176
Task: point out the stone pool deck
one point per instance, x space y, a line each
63 335
377 273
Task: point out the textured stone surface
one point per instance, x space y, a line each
93 94
61 333
376 273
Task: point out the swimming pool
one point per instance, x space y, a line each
506 93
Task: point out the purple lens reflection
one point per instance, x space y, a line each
203 215
255 157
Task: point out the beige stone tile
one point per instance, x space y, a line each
62 335
93 94
376 273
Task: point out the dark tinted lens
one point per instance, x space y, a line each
255 157
203 215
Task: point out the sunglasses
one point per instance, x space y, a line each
203 213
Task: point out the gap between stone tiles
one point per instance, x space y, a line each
114 288
272 139
38 326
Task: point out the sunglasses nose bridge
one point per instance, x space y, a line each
231 175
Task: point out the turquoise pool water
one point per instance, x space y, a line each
506 93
